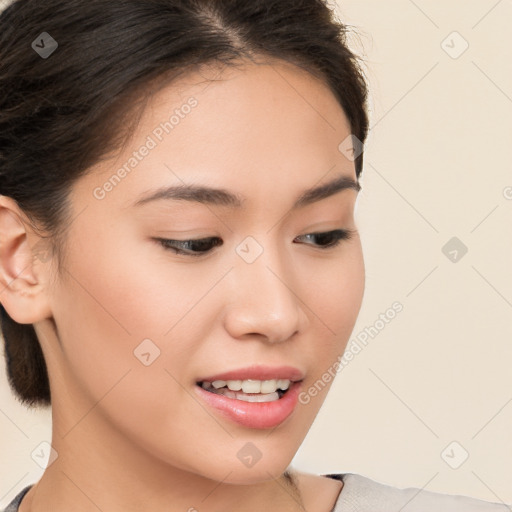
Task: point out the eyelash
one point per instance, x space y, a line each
338 234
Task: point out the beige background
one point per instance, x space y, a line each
437 166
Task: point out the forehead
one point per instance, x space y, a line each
259 128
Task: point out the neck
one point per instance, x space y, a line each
100 470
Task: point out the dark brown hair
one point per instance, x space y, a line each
62 114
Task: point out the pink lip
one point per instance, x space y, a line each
258 372
253 414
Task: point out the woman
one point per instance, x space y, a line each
179 259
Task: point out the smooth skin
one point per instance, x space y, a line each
131 437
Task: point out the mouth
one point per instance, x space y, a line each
257 396
257 404
249 390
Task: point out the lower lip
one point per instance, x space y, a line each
254 414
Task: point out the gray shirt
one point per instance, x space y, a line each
361 494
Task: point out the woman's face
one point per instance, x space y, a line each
139 325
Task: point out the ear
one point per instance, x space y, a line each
22 268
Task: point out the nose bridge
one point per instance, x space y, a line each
263 297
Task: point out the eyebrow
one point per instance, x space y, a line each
222 197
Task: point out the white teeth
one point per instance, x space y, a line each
234 385
283 384
268 386
239 395
250 385
268 397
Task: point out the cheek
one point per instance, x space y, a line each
350 286
104 310
114 307
335 304
336 291
127 290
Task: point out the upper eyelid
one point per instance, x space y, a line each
206 238
347 233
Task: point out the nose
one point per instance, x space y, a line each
264 299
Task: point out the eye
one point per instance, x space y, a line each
200 246
329 239
190 247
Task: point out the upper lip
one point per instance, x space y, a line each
258 372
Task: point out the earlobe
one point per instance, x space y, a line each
22 293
